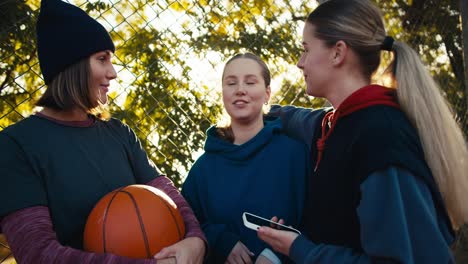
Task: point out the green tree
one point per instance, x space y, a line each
158 95
18 64
433 28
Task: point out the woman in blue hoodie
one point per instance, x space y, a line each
248 166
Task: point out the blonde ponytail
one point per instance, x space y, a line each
444 147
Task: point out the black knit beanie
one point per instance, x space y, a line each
65 35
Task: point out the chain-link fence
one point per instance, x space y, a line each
170 56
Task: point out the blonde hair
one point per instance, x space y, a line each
359 24
70 89
441 137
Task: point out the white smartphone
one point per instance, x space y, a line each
254 222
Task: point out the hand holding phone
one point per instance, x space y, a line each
254 222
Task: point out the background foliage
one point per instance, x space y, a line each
169 60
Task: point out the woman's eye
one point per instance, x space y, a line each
251 81
103 58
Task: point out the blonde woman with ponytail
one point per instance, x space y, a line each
391 168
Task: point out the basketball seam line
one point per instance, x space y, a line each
173 216
105 220
142 226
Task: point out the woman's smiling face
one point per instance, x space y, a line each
102 72
244 90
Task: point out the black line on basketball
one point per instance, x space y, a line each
170 211
142 226
105 220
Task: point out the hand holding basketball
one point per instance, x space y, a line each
136 221
189 250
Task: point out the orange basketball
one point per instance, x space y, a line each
136 221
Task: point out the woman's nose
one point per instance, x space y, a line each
300 63
240 90
111 73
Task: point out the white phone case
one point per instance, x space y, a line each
260 221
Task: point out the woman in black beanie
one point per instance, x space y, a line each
56 164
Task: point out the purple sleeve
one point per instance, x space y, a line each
32 239
192 227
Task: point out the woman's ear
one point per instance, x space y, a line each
340 50
268 93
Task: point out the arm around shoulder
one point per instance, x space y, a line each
299 123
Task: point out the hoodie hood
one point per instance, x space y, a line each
217 146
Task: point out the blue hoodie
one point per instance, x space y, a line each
264 176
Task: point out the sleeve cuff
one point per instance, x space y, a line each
267 253
300 249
